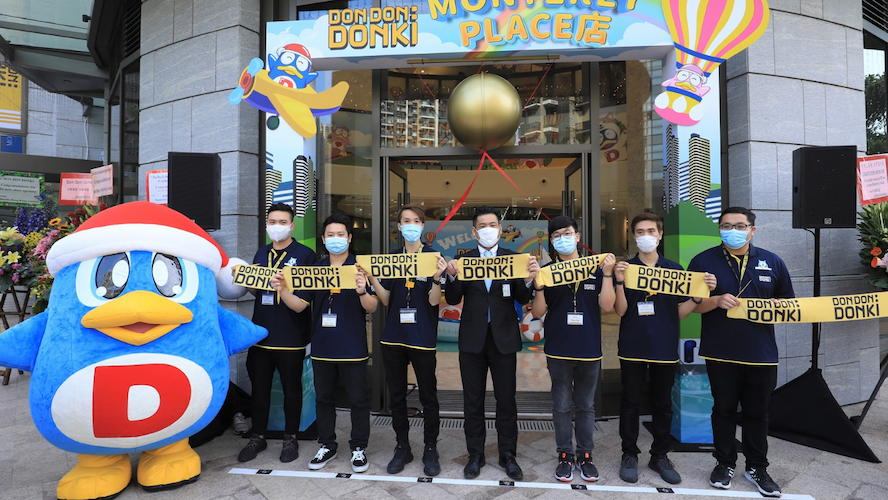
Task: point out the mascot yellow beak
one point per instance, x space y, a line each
290 70
137 317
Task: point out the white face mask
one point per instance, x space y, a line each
277 232
646 244
488 236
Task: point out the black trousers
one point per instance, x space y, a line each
473 370
633 374
750 386
395 359
261 364
353 375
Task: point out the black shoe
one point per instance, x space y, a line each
721 476
507 462
764 483
290 449
588 471
403 456
431 467
252 449
564 470
629 468
667 471
473 468
321 458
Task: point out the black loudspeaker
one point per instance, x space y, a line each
824 187
195 187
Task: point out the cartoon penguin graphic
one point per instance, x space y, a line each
132 353
292 66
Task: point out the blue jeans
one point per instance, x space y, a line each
573 380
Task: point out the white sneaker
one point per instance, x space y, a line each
359 460
239 424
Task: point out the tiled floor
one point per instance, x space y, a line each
30 467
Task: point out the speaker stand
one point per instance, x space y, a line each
805 412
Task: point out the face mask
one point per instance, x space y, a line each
411 232
565 245
734 238
277 232
646 244
337 245
488 236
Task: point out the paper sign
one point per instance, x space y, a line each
103 180
255 276
667 281
19 189
400 265
320 277
872 179
570 271
504 267
76 189
156 186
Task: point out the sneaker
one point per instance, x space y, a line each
290 450
252 449
763 482
403 456
588 471
431 466
564 471
359 460
721 476
667 471
239 424
321 458
629 468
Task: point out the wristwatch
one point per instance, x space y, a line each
442 280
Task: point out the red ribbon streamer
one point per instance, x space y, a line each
465 195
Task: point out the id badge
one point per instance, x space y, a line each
328 320
507 290
267 298
645 308
408 315
575 319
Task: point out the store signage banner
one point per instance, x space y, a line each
872 179
20 189
320 277
11 98
667 281
505 267
477 29
76 189
812 309
400 265
570 271
255 276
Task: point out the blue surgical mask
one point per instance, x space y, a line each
565 245
336 245
734 238
411 232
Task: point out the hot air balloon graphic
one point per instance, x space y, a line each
705 35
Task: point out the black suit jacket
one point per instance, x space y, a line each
504 322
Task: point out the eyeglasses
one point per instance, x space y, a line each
556 236
740 226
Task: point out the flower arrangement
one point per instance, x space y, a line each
874 237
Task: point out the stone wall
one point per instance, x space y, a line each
801 84
192 54
58 127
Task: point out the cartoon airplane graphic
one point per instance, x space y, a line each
288 93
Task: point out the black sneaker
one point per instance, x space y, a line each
359 460
629 468
290 449
763 482
321 458
403 456
667 471
588 471
564 471
252 449
721 476
431 467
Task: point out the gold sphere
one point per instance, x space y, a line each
484 111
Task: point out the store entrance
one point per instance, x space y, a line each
436 184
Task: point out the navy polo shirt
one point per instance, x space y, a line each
347 341
651 338
738 340
287 329
574 342
420 335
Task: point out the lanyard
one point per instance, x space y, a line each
271 261
410 282
333 293
742 267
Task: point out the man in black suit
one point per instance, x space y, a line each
489 338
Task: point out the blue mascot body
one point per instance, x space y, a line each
132 353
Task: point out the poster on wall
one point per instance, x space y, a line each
12 97
157 186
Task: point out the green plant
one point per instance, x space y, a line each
874 237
